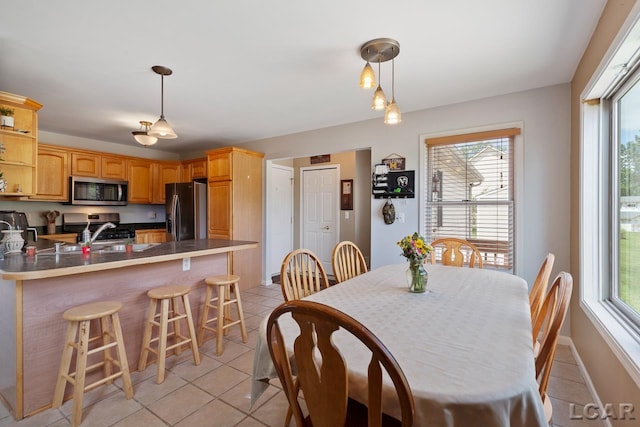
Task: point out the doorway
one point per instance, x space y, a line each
320 211
281 213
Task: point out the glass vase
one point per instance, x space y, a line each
417 277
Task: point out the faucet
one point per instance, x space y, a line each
100 230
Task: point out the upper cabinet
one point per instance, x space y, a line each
194 169
53 173
98 165
220 164
19 157
164 173
85 164
140 174
113 167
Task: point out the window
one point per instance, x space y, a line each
624 105
471 195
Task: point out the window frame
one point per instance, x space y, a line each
518 180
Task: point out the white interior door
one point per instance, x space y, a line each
320 212
281 209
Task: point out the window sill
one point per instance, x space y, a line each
622 341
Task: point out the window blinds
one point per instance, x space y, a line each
470 196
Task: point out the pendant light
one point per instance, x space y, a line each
367 77
379 101
162 129
392 115
142 136
381 50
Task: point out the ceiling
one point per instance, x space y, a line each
253 69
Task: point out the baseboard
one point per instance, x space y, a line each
564 340
267 282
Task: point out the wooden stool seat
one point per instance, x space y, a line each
226 285
169 297
80 318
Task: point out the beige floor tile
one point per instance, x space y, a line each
569 391
214 414
252 338
230 350
273 412
149 391
564 354
250 422
220 380
109 411
567 371
255 309
188 371
143 418
4 412
565 415
240 397
180 404
253 322
46 418
244 362
91 397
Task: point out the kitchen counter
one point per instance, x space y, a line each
48 264
36 290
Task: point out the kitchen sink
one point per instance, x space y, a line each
99 248
137 247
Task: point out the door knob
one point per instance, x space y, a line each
326 227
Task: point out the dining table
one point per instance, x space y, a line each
464 345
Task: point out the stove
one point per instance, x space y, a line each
76 223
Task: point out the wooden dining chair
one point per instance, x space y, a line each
454 251
302 274
322 371
347 261
538 293
548 325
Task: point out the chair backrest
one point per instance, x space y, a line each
347 261
539 288
302 274
322 371
549 322
453 251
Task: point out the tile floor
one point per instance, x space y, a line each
216 393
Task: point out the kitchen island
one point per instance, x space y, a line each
36 290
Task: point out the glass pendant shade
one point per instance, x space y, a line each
379 101
142 136
392 115
162 129
367 77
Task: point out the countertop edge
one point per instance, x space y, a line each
43 274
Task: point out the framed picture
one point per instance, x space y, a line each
346 194
394 162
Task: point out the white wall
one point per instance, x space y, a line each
545 114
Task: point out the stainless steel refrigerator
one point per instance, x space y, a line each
186 205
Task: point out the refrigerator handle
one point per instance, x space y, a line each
174 207
178 217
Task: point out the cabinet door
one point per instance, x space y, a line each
151 236
194 169
219 214
53 174
140 176
114 167
85 164
219 166
164 173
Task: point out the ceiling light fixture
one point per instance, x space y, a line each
142 136
162 129
367 76
381 50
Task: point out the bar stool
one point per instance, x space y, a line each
170 295
81 317
226 284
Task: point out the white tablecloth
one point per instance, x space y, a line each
465 346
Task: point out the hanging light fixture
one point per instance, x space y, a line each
142 136
381 50
367 77
392 115
379 101
162 129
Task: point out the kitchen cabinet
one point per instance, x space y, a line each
63 237
235 206
113 167
18 164
140 173
85 164
194 169
151 236
164 173
53 174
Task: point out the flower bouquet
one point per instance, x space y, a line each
416 250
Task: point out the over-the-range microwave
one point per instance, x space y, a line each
97 191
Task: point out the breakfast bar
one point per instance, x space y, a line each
36 290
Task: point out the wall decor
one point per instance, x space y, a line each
322 158
394 161
394 184
346 194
